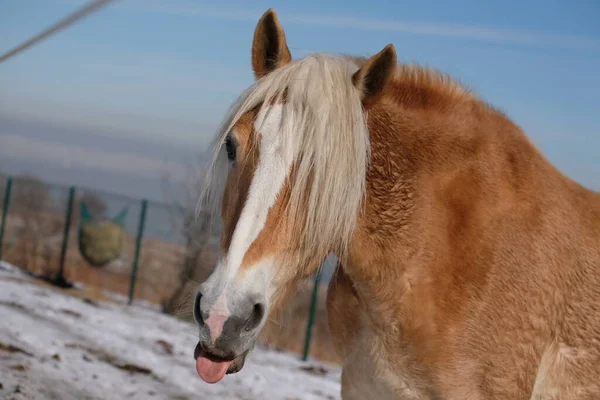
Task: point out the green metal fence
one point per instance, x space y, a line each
40 232
5 205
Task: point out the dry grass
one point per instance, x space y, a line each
159 272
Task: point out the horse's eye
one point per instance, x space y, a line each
230 147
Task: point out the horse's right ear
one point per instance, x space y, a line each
373 75
269 47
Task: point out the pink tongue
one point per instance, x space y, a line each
211 371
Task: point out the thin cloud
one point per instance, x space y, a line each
516 37
177 131
420 28
20 147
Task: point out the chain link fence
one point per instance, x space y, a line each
50 230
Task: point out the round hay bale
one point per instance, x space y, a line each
100 242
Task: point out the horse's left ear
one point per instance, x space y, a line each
373 75
269 47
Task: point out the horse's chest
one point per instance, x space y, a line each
367 372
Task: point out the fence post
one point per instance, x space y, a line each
5 206
138 245
311 316
60 277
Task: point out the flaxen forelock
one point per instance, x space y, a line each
324 130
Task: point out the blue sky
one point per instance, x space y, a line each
166 71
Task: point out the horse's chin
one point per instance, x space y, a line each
237 364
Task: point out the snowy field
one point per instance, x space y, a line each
56 346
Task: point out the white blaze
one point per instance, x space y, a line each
267 182
270 174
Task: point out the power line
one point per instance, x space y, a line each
89 8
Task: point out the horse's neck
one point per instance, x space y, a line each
433 173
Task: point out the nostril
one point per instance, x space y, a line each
258 311
197 311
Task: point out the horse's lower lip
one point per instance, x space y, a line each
233 369
200 351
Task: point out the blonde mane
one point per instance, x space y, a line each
324 131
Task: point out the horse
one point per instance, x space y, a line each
469 265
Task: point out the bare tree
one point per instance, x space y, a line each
30 194
36 222
200 240
94 203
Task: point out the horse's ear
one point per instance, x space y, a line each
269 47
372 76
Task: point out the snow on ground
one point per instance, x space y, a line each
56 346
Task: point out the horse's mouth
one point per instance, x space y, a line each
212 368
